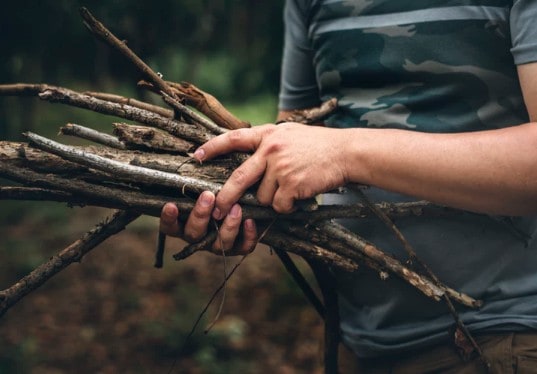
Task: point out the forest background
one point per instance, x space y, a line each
114 312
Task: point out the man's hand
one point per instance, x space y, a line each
198 223
292 161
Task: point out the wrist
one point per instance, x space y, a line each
355 153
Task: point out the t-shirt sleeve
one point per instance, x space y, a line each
298 86
523 19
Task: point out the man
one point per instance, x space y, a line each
436 100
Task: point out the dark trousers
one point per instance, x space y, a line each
507 353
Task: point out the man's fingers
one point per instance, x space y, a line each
169 224
240 247
236 140
198 220
283 201
228 231
240 180
267 188
249 240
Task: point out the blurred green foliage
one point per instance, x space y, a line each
20 358
231 49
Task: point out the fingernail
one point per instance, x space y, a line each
199 154
235 211
206 200
216 213
169 210
249 224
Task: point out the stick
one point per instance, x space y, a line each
99 30
313 115
299 279
66 96
133 172
37 194
414 258
66 257
75 191
151 139
202 101
428 287
211 126
131 102
174 127
92 135
78 192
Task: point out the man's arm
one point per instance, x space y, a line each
491 171
527 75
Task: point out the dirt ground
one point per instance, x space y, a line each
115 313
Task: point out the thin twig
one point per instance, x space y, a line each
159 253
85 193
211 126
198 320
224 289
98 29
313 115
164 112
202 101
413 257
37 194
92 135
299 279
192 248
422 283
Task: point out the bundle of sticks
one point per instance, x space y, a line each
144 165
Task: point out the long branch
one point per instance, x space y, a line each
98 29
55 94
72 253
369 251
423 283
137 173
86 193
73 98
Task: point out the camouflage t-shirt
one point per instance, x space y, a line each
431 66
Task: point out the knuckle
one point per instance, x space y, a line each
222 245
274 147
239 177
236 136
304 193
264 200
229 229
199 214
292 182
193 235
283 207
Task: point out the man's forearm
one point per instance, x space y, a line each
492 171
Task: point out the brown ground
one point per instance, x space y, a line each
115 313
